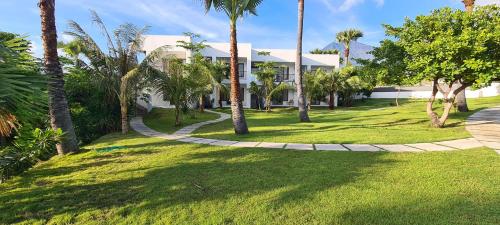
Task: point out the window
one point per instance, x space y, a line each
224 96
283 73
242 94
285 95
241 69
304 68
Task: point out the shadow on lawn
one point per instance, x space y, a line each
203 173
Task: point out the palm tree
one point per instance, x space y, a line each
345 37
60 117
119 68
19 83
218 73
461 100
299 77
235 9
267 77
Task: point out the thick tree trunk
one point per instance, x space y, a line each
60 117
303 116
331 103
177 115
437 121
238 115
202 104
461 102
268 104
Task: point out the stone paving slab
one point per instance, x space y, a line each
270 145
462 143
188 139
487 138
330 147
245 144
223 143
491 144
296 146
497 151
430 147
362 148
399 148
205 141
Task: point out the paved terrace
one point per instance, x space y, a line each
484 126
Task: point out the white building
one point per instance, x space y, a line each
248 56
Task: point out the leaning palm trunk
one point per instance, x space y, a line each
238 116
60 117
397 96
303 116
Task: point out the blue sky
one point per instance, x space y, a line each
274 27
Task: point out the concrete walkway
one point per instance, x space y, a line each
484 126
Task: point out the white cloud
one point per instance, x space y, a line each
346 5
488 2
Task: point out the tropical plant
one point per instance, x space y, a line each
346 37
235 9
463 48
324 52
299 76
119 71
331 85
313 86
267 77
218 73
258 91
175 84
20 84
29 147
58 105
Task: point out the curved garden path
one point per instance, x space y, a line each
484 127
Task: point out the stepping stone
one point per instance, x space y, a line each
487 138
204 141
223 143
497 151
430 147
362 148
246 144
299 146
270 145
491 144
461 143
330 147
188 139
399 148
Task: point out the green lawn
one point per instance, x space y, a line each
154 181
373 121
163 120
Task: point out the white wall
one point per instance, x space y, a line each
493 90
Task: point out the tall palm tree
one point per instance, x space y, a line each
235 9
299 77
60 117
461 100
345 37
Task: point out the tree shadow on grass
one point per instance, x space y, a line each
199 176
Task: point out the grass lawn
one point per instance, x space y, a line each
154 181
373 121
163 120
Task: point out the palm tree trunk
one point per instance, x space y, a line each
238 115
177 115
397 96
331 103
303 116
346 55
60 117
124 104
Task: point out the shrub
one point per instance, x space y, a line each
28 148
